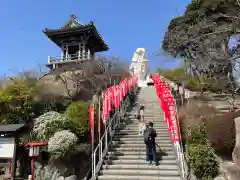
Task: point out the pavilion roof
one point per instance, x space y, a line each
74 26
11 127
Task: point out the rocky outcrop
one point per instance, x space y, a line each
236 151
73 177
80 81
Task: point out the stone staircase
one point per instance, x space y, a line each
126 156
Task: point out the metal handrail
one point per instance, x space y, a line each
102 148
179 146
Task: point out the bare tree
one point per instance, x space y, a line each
83 80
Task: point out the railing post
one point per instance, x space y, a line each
93 164
178 150
106 138
100 150
182 164
110 126
117 118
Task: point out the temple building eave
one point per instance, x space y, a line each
78 42
56 38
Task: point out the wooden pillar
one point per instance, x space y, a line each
79 51
14 160
84 50
67 56
61 56
89 54
62 53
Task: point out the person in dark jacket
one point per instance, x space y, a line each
149 139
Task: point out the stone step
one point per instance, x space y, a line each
154 111
148 117
136 177
135 146
155 122
158 128
129 141
135 131
140 138
161 129
156 107
135 127
120 149
135 135
140 157
147 171
159 124
150 109
158 131
126 153
141 167
158 113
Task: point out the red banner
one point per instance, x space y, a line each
91 119
111 99
115 95
167 104
104 108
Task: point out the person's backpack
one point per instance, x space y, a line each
147 136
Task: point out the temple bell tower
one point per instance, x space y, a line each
78 42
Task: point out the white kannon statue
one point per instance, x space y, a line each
139 64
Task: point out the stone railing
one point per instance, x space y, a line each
52 60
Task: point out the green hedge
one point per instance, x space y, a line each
202 161
200 155
77 114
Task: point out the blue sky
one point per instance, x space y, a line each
124 24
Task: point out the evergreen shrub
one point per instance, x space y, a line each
200 155
77 114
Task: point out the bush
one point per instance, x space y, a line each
220 128
200 155
193 114
202 161
46 125
197 135
200 83
16 101
77 114
221 133
62 142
